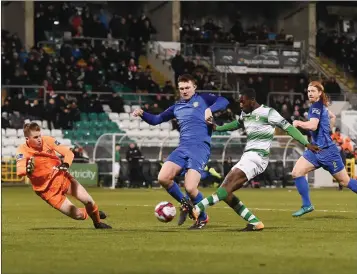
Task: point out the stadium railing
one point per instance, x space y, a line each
8 171
155 149
207 50
345 79
290 95
31 92
57 43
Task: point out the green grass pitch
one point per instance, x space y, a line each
38 239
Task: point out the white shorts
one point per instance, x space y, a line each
252 164
116 170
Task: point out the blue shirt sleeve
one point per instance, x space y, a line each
165 116
215 102
316 110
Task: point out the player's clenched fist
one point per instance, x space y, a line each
138 112
30 166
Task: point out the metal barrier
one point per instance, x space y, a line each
333 96
285 94
29 88
141 96
8 171
59 42
107 142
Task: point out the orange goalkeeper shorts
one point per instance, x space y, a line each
55 193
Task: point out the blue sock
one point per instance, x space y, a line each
196 200
175 192
352 184
303 188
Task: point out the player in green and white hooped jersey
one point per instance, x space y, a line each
259 122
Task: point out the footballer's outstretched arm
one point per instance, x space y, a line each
61 149
154 120
21 163
308 125
228 126
216 103
276 119
312 124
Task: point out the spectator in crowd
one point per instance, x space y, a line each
116 103
347 144
340 48
117 161
178 65
133 155
336 136
78 155
51 114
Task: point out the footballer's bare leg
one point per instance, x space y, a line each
80 193
192 180
233 181
69 209
166 178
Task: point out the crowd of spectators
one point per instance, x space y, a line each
211 33
80 64
341 48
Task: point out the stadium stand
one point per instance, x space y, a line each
90 68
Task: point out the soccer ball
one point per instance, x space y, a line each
165 212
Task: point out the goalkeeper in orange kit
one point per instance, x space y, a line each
50 178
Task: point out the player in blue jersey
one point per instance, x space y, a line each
194 114
328 158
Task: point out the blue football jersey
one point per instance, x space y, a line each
321 136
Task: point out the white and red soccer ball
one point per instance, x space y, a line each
165 212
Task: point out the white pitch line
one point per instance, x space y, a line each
259 209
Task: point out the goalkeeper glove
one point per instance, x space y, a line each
63 167
30 166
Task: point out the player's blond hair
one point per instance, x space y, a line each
320 87
28 127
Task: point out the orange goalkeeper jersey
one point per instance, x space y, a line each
44 161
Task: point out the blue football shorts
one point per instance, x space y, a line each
328 158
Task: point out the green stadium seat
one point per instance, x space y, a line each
68 134
83 125
88 88
103 116
84 116
93 116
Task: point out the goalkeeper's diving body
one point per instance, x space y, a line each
50 178
259 122
194 114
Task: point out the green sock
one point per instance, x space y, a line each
242 211
220 195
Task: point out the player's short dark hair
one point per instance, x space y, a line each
186 78
28 127
249 92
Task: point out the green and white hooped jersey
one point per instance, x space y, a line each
260 127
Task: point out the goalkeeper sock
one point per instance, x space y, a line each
352 184
196 200
220 195
93 213
303 188
175 191
242 211
84 213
